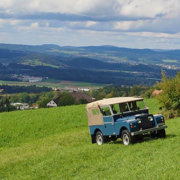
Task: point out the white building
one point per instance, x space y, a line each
51 104
21 106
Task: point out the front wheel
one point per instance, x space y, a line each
161 133
99 138
127 138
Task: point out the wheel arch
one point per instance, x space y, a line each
93 136
122 129
96 130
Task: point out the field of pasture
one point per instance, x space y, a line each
55 144
55 83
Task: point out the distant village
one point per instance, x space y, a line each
26 78
33 79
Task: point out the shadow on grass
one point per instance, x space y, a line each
145 139
171 135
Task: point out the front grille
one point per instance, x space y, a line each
146 123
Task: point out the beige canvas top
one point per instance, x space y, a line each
111 101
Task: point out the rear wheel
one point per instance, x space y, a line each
99 138
127 138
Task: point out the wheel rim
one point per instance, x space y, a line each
126 139
99 139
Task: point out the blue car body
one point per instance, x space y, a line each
111 124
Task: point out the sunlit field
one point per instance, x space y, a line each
55 144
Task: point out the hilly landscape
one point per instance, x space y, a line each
92 64
55 144
56 57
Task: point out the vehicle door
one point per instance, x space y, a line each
108 120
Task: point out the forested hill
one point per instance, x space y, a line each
97 64
88 63
11 54
103 53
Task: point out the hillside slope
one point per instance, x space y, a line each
55 144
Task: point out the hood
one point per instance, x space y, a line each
131 118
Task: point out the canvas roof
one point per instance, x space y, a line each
111 101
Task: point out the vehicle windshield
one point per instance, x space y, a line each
127 107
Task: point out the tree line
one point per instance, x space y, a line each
38 99
20 89
121 91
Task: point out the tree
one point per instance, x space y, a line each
134 91
110 95
66 99
169 99
43 102
5 105
83 101
24 97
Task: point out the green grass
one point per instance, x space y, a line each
169 60
55 144
37 62
55 83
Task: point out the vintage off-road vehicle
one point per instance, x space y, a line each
127 118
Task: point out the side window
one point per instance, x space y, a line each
106 111
133 106
95 111
123 107
115 108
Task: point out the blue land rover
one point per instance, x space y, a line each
127 118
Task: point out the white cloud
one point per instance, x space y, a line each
154 35
2 21
101 21
34 25
150 8
137 8
126 25
14 22
90 23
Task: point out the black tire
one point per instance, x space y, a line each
153 134
126 137
99 138
161 133
93 139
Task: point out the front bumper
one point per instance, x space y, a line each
148 130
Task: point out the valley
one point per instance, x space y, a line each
99 65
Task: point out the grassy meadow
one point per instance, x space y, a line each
54 83
55 144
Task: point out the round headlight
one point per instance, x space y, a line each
150 118
138 120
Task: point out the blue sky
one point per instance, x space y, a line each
151 24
